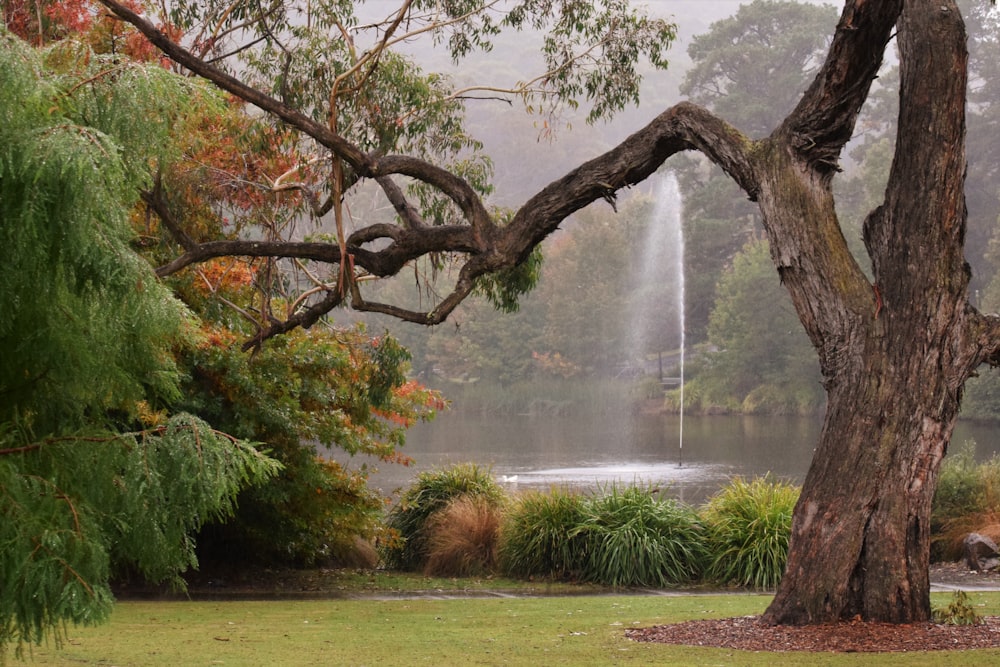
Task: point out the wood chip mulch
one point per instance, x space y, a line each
749 634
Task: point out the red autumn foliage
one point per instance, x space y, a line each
41 22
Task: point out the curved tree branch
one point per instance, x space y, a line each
304 318
155 201
463 287
489 248
202 252
408 215
407 245
683 127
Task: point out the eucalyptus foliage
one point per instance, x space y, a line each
93 474
590 50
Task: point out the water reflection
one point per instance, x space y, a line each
540 452
527 452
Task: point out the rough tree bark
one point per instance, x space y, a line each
894 351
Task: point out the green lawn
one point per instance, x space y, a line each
568 630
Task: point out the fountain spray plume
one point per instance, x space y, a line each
671 194
662 263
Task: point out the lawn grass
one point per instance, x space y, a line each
567 630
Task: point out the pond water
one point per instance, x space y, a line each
526 452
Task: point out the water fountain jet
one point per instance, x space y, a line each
662 262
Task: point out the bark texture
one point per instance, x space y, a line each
892 369
895 351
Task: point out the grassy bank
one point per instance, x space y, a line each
575 630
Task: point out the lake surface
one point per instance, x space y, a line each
526 452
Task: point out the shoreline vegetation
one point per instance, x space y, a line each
647 394
457 531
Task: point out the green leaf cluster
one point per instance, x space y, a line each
538 536
633 538
89 337
87 326
959 611
504 288
619 537
748 525
302 393
137 507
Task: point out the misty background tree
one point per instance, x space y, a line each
895 349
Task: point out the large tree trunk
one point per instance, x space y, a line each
894 361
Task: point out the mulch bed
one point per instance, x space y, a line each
749 634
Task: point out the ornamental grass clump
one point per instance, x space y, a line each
634 539
430 493
461 539
748 525
538 536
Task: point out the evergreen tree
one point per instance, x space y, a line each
764 362
94 474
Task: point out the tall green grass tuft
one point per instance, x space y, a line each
634 539
538 538
462 538
748 526
431 492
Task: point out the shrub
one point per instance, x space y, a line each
960 488
748 526
957 612
537 536
309 390
430 493
315 513
462 538
633 539
967 499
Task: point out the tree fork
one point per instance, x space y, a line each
861 535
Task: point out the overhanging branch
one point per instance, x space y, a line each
488 248
683 127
